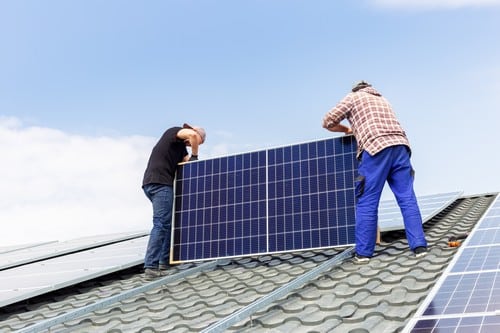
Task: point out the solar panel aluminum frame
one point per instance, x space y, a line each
253 199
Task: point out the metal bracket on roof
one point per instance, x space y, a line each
46 324
250 309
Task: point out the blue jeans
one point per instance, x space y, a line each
392 165
158 250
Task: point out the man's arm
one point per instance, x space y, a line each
331 121
340 128
190 138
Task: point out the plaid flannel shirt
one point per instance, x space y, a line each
373 122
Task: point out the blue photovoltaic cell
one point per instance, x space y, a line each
283 199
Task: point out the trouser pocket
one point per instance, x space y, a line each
359 182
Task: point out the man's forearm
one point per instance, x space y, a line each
339 128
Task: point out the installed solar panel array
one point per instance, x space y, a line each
289 198
58 265
467 296
38 252
390 217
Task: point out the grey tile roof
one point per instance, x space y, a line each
380 296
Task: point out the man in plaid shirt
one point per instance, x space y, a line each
384 155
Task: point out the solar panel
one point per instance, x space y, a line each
283 199
31 254
480 258
17 247
467 296
26 281
390 217
483 324
486 237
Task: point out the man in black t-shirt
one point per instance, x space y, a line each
158 183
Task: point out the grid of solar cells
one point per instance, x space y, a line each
282 199
490 222
468 293
311 195
488 236
476 324
220 207
479 258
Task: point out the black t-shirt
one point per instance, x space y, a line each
166 154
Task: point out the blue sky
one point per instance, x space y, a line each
86 88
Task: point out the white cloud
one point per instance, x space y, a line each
57 186
435 4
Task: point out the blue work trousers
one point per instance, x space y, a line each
392 165
158 249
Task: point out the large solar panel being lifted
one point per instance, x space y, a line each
467 296
283 199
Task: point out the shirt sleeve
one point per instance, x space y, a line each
338 113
